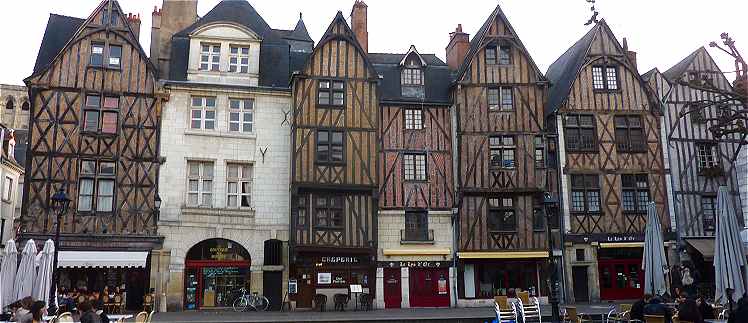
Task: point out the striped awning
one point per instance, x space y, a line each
101 259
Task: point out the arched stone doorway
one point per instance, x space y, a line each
215 269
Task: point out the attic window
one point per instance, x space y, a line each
239 59
411 76
106 18
210 57
605 78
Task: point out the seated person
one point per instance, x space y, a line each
637 310
655 307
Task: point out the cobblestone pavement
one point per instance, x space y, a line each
481 314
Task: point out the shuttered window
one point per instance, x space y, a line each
630 134
580 133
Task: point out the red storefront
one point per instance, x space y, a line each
214 270
428 283
621 275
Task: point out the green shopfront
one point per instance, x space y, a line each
215 270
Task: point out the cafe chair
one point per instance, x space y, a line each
504 313
502 302
149 318
624 308
365 301
117 306
571 316
141 317
341 301
320 301
654 319
530 311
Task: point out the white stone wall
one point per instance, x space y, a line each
226 35
392 221
183 226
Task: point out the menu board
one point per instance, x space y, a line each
324 278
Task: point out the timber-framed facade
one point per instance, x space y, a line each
334 167
611 157
94 131
502 164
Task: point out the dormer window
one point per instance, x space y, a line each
239 59
411 76
107 18
210 57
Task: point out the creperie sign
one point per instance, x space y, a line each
339 260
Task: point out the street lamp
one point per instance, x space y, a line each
157 206
60 203
550 203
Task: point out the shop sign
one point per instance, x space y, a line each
218 252
598 237
442 286
339 260
324 278
415 264
357 288
339 280
220 271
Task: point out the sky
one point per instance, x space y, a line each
662 31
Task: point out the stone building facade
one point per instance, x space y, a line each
225 141
15 107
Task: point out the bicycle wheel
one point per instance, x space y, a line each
240 304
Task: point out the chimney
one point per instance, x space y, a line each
173 16
631 55
359 24
134 21
459 42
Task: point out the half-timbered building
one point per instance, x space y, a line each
94 132
334 168
611 162
226 142
698 163
502 164
416 191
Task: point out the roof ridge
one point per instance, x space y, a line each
65 16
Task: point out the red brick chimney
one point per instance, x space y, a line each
629 53
459 43
359 24
134 21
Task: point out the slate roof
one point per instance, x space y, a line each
564 70
275 56
475 43
437 78
648 75
59 31
677 70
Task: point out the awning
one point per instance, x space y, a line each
101 259
503 255
621 244
417 252
704 246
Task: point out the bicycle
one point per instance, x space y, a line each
255 301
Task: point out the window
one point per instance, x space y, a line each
203 113
328 212
115 56
500 98
539 152
199 184
491 55
411 76
585 194
210 57
239 185
501 214
415 167
8 188
101 117
302 213
25 106
538 216
329 146
706 156
241 115
416 226
9 104
630 134
605 78
96 186
505 55
413 119
708 207
97 54
635 188
239 59
502 150
581 135
106 18
580 255
331 93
